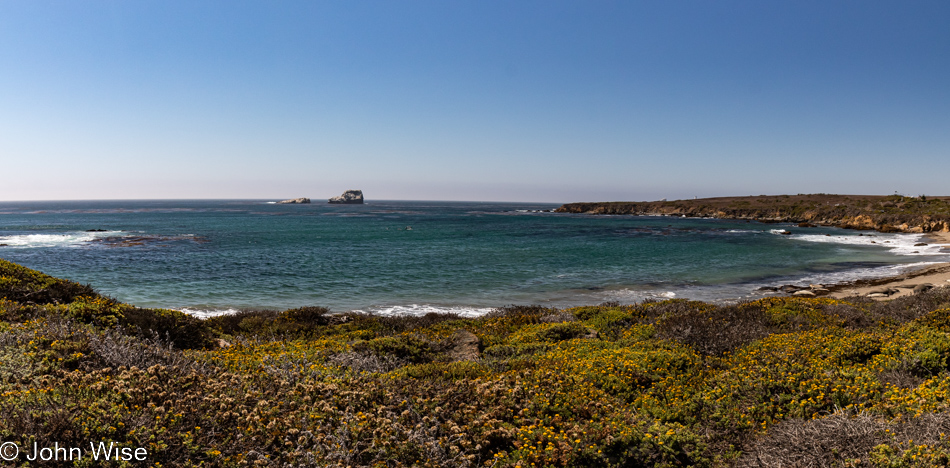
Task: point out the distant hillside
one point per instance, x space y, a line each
893 213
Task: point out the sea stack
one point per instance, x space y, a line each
294 200
354 197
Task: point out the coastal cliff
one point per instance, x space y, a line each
892 213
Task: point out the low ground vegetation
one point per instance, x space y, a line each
774 382
892 213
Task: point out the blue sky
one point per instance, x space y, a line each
476 100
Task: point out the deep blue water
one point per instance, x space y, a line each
411 257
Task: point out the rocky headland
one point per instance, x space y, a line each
353 197
893 213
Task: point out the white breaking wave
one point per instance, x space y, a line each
422 309
400 310
70 239
898 244
626 294
201 313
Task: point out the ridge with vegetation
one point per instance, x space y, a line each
774 382
893 213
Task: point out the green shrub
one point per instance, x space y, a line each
716 331
292 323
182 330
513 351
444 370
21 284
937 320
521 315
98 310
394 325
563 331
588 312
403 347
611 322
550 333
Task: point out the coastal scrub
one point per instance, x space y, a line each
774 382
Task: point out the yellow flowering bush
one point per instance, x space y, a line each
671 383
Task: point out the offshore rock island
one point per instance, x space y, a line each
893 213
294 201
349 197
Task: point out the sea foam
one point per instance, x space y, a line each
69 239
207 313
422 309
898 244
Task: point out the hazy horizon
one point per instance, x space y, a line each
370 201
424 100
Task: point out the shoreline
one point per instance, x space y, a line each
893 287
929 216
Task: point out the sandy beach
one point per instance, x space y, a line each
937 275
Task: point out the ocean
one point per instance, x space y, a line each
413 257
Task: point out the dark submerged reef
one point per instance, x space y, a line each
779 381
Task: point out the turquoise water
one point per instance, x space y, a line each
414 257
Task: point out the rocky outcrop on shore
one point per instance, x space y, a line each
349 197
908 283
881 213
464 346
294 201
